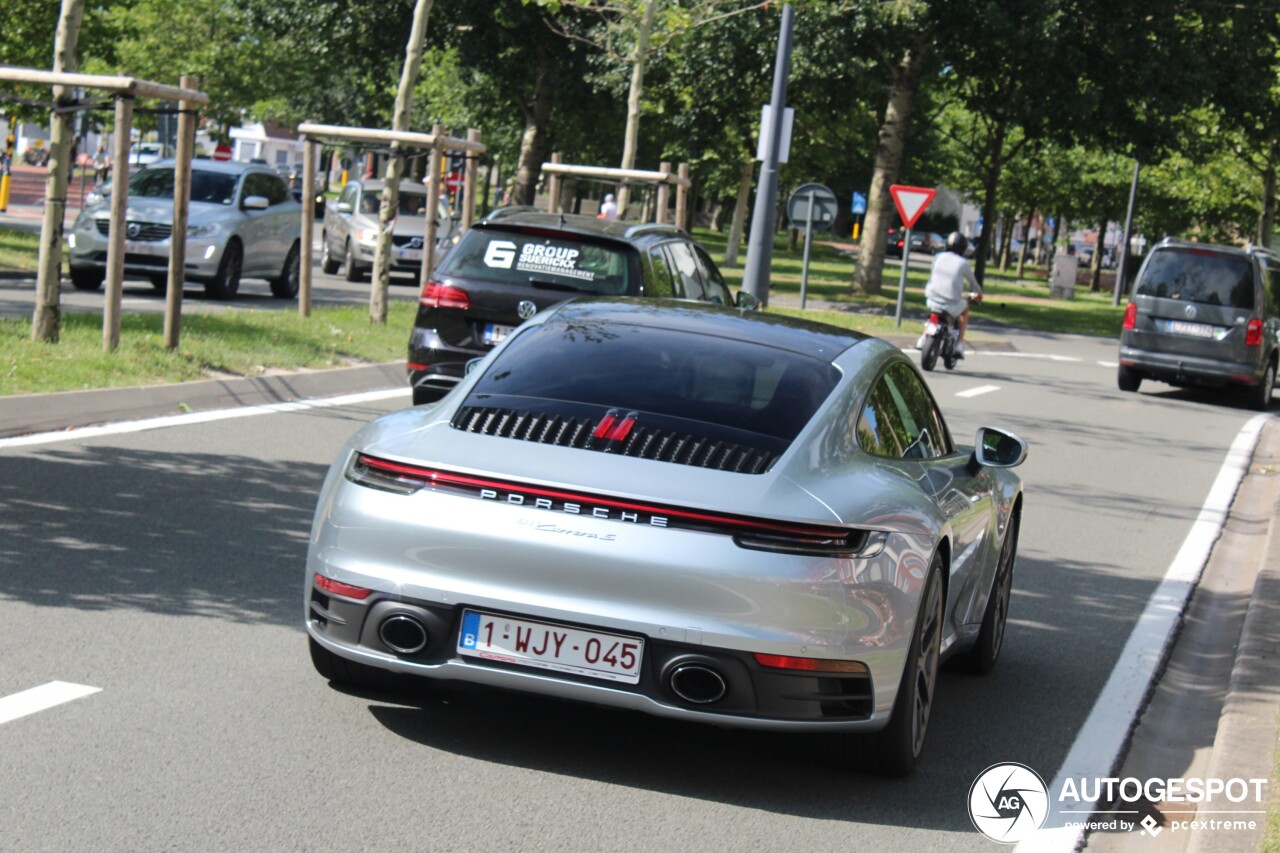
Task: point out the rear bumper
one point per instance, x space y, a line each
1187 370
434 366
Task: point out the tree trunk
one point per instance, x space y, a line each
1026 240
533 143
47 320
395 167
890 145
994 165
1095 263
1267 222
632 137
739 222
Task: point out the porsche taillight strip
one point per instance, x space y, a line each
825 537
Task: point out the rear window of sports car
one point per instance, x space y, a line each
681 374
551 261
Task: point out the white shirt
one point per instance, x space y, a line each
948 279
609 210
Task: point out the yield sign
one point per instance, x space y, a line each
911 201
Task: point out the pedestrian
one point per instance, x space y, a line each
100 165
609 209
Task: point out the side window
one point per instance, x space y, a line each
348 195
686 267
658 282
717 290
277 192
255 184
1271 284
880 429
899 419
919 415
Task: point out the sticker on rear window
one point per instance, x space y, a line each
557 260
500 254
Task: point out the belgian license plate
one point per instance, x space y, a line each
495 334
140 248
1195 330
545 645
408 254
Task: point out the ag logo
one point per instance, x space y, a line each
1008 802
500 254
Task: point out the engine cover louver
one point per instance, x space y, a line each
641 442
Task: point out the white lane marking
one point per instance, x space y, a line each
1101 740
1108 364
1040 355
199 418
979 391
42 698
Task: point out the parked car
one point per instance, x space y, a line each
242 223
145 154
928 242
518 261
349 236
1202 314
691 511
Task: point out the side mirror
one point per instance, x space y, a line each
343 207
746 301
255 202
993 448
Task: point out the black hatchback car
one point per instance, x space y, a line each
518 261
1202 314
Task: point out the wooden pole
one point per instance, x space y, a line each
308 224
433 205
47 320
664 193
469 188
553 185
682 197
181 209
115 239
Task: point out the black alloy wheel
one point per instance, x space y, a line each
285 285
982 658
227 281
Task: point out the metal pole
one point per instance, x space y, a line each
308 225
1128 228
808 241
181 207
755 279
902 279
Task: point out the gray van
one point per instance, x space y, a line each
1204 315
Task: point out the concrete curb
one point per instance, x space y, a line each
1245 744
22 415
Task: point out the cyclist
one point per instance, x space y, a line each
946 288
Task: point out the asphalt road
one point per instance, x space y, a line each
165 568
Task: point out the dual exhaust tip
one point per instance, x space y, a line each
695 682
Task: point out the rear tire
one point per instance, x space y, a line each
982 658
1128 379
285 286
929 355
1262 394
896 750
87 278
339 670
227 281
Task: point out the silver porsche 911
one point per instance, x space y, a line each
675 508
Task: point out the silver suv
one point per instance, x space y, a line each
349 235
1204 315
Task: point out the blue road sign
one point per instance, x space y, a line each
859 203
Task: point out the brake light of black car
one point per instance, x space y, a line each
1130 316
437 294
1253 333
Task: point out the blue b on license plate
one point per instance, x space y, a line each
545 645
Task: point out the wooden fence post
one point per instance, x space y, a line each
115 241
181 207
664 192
553 185
469 187
433 205
308 224
682 197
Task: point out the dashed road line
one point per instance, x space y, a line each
979 391
42 698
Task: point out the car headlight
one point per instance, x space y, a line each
206 229
366 235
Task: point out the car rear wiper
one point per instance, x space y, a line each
544 284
